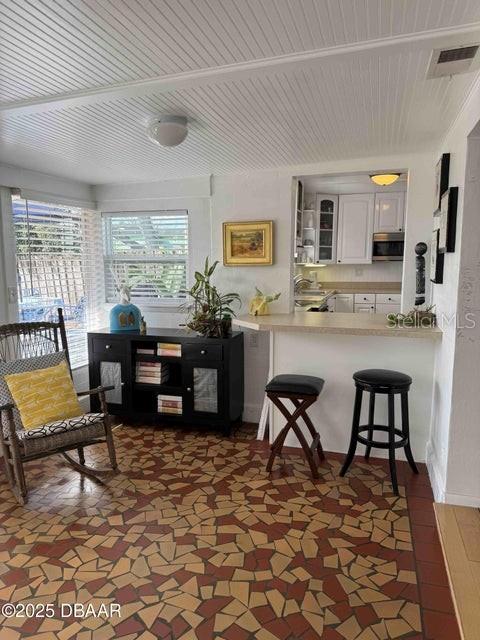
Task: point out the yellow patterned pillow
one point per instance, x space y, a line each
44 395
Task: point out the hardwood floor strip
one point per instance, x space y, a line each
459 530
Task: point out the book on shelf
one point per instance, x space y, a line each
143 380
152 370
171 404
149 365
147 374
169 349
170 411
146 352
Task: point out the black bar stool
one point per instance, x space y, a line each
302 391
389 383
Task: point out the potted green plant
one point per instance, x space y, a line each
210 313
414 318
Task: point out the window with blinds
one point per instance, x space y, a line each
148 251
55 258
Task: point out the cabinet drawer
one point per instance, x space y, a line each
107 346
202 351
389 298
362 298
364 308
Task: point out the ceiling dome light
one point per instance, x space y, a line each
168 131
384 179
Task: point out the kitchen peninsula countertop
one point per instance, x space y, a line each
355 324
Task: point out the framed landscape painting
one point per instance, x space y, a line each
248 243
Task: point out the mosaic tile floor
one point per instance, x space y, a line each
195 541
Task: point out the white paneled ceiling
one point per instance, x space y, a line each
263 83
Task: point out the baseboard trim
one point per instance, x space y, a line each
433 473
461 500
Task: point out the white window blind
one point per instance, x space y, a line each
149 252
57 267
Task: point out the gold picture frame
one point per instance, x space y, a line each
248 243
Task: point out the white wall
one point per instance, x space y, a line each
455 437
267 195
314 354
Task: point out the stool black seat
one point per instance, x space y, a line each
292 383
382 378
387 382
302 391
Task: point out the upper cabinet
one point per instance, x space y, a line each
389 212
355 228
326 240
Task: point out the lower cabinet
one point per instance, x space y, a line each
203 383
344 302
203 389
382 307
109 366
364 308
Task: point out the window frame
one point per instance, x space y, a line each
86 218
161 303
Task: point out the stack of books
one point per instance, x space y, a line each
170 404
169 349
151 372
146 351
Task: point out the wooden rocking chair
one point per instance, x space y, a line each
26 340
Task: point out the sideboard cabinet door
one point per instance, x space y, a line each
204 390
109 367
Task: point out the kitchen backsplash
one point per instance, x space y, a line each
384 272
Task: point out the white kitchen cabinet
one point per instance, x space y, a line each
389 212
389 298
326 238
362 298
344 302
355 228
365 308
382 307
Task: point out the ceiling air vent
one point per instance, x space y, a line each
449 62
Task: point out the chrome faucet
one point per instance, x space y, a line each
300 283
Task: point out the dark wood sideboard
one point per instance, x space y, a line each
205 379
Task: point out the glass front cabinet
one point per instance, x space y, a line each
326 229
169 375
109 368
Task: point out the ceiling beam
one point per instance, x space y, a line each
445 37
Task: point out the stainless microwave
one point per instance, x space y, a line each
388 246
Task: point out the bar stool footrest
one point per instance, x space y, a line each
377 444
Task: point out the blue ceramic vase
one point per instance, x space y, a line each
125 317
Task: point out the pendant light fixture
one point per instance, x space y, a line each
384 179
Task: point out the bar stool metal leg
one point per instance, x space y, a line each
391 442
357 407
371 422
406 432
